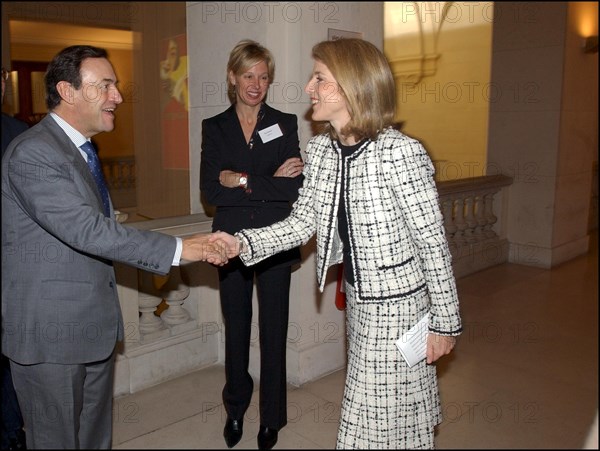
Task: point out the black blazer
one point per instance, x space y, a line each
267 199
11 127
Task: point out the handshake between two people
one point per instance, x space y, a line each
215 248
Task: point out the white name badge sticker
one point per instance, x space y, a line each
270 133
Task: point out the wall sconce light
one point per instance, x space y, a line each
590 44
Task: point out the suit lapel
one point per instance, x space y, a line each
72 154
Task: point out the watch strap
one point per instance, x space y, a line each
243 181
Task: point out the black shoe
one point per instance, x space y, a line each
234 429
266 437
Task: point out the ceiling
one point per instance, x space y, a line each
49 33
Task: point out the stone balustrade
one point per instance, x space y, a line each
119 172
472 208
184 336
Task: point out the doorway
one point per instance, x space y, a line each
30 105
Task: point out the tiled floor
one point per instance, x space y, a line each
524 374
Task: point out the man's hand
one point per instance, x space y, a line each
229 242
200 248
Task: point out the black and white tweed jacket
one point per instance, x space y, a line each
398 243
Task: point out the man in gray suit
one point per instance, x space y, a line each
61 317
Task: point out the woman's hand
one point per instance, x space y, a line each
439 345
229 179
292 167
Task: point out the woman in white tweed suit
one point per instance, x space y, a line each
370 197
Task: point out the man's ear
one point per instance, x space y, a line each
66 91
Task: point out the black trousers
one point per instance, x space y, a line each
273 291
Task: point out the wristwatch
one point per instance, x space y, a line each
243 182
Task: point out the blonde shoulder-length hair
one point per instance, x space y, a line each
244 55
365 80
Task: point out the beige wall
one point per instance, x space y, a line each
549 143
443 102
578 132
161 192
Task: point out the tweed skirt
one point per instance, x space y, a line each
386 404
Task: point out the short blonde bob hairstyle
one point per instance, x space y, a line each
244 55
365 80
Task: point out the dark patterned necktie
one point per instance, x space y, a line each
96 168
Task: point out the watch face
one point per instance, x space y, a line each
243 180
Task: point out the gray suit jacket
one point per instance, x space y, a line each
59 294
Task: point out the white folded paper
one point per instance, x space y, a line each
413 344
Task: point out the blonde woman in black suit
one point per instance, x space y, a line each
370 197
251 171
